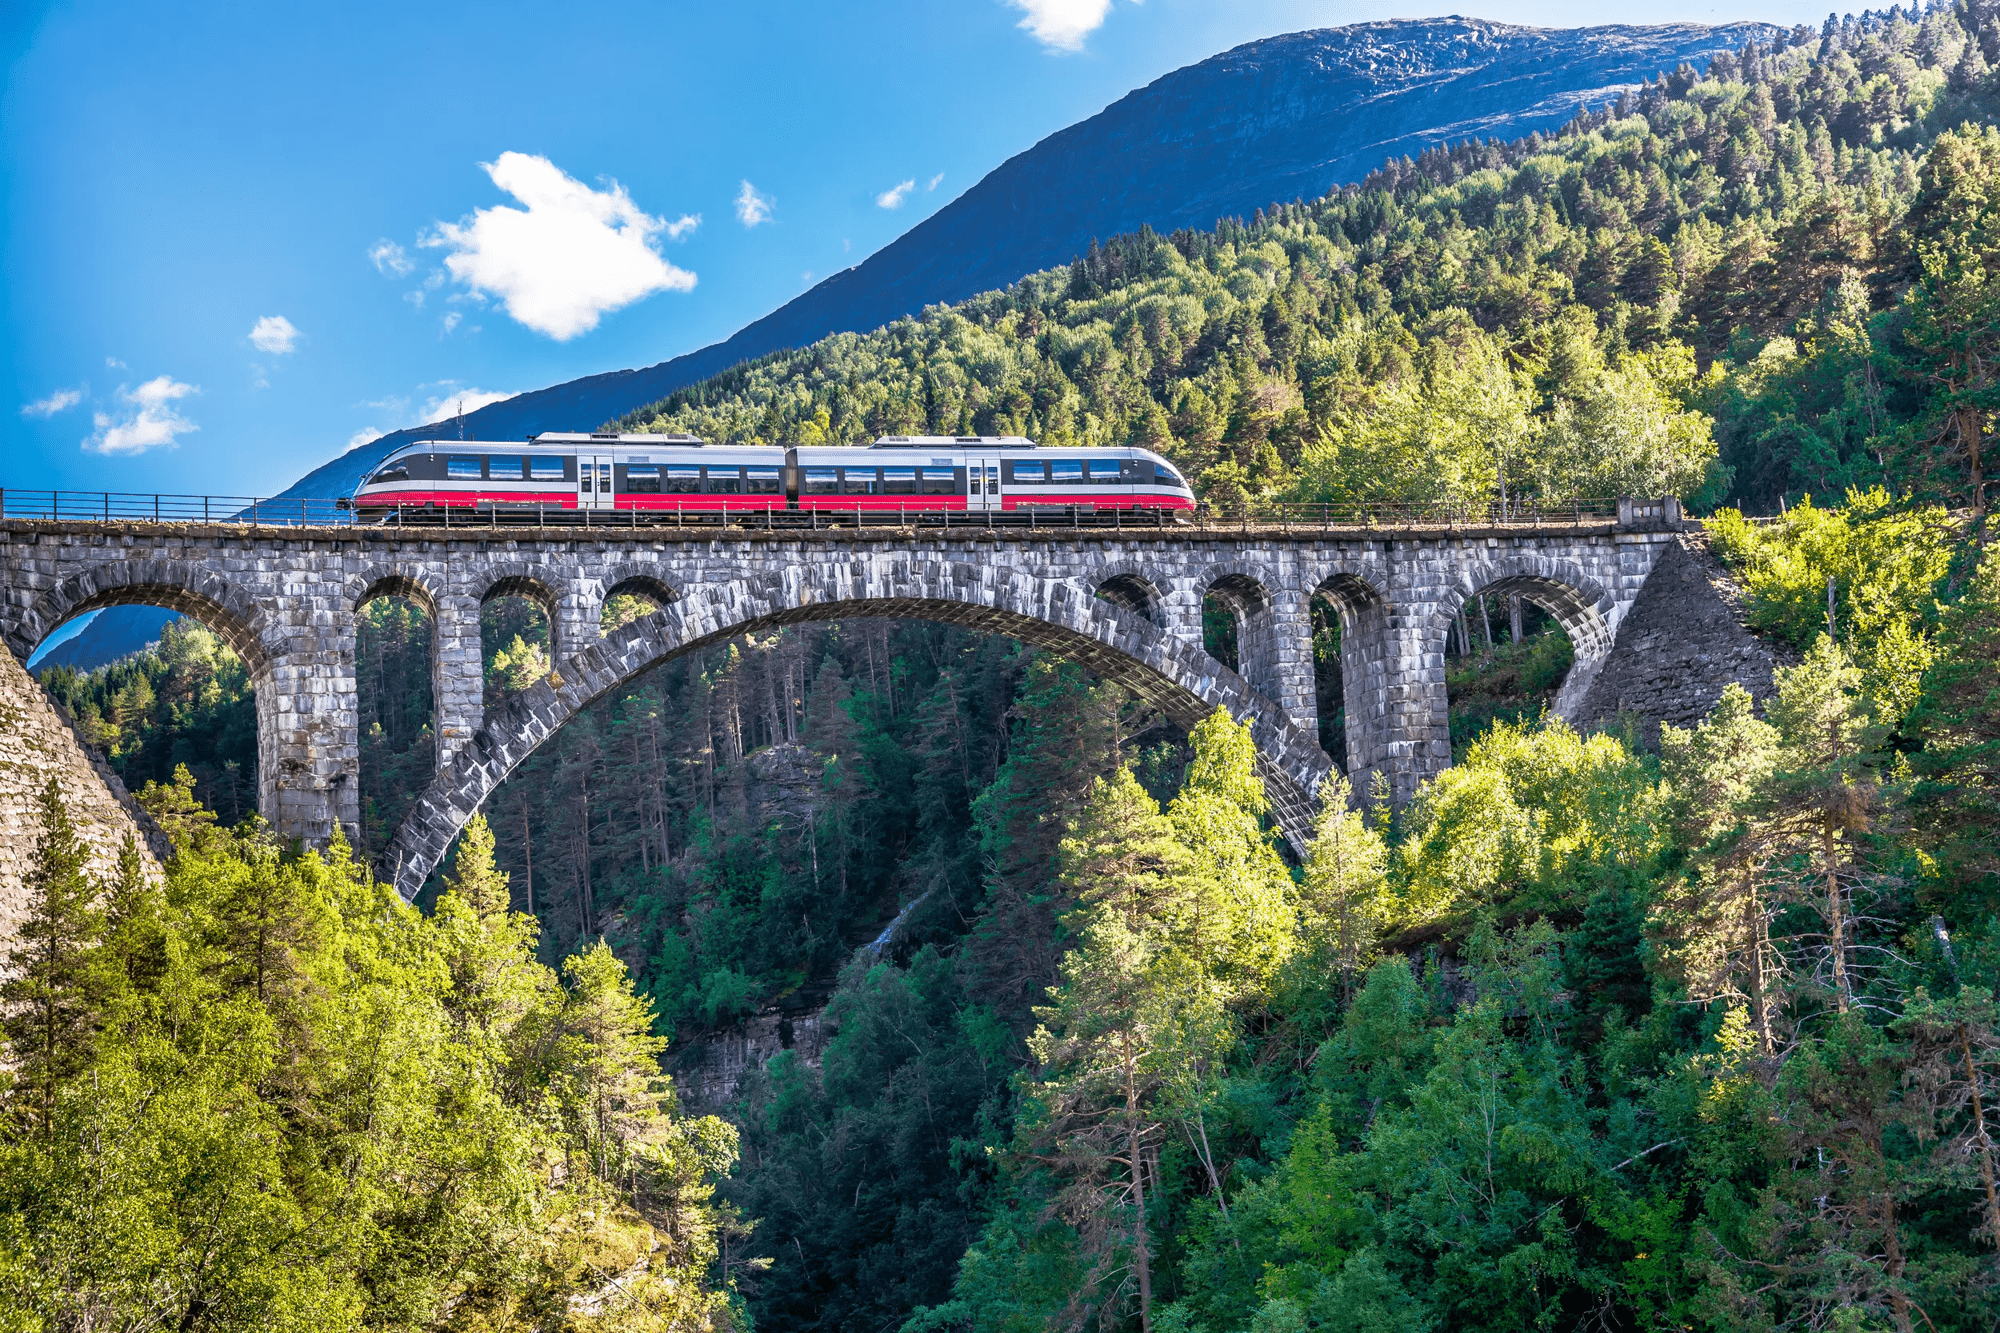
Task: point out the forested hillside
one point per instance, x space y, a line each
1562 314
1691 1029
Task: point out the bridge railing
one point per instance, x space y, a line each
1404 513
115 507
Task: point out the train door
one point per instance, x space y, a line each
982 484
593 481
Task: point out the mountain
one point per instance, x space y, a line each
107 636
1274 120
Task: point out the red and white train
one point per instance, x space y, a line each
562 477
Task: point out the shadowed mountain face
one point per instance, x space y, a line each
1280 119
1285 118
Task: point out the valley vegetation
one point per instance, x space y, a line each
1695 1028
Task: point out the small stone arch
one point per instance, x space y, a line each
221 605
631 576
629 579
389 581
1245 588
1132 590
1587 612
1581 605
523 581
1115 643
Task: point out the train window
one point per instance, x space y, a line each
1104 471
642 480
545 469
1166 476
939 481
822 481
396 471
1028 472
725 481
1062 470
504 465
683 481
899 481
462 469
762 481
862 481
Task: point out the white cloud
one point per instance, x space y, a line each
62 400
575 254
934 182
389 259
894 196
115 363
752 207
453 403
450 320
1062 24
682 228
274 335
363 436
153 422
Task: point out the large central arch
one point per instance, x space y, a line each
1116 643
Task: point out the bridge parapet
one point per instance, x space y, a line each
1127 602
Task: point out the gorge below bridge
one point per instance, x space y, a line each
1125 604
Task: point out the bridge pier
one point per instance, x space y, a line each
309 742
1275 647
458 674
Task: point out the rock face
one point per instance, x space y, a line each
37 742
709 1071
1275 120
1681 644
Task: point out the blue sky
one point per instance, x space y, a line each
238 237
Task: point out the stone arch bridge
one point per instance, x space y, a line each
1126 604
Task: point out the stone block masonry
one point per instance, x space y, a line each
37 742
1127 604
1681 644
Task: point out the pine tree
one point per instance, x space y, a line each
611 1057
1954 307
1956 799
488 948
1341 901
1823 798
1718 917
53 1005
1098 1040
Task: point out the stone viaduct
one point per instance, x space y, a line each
1127 604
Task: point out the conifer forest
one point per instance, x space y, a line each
1696 1029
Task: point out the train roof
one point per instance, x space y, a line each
612 437
939 441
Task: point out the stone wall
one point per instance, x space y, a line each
1679 646
37 741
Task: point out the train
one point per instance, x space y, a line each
560 477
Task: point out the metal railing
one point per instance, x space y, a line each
115 507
